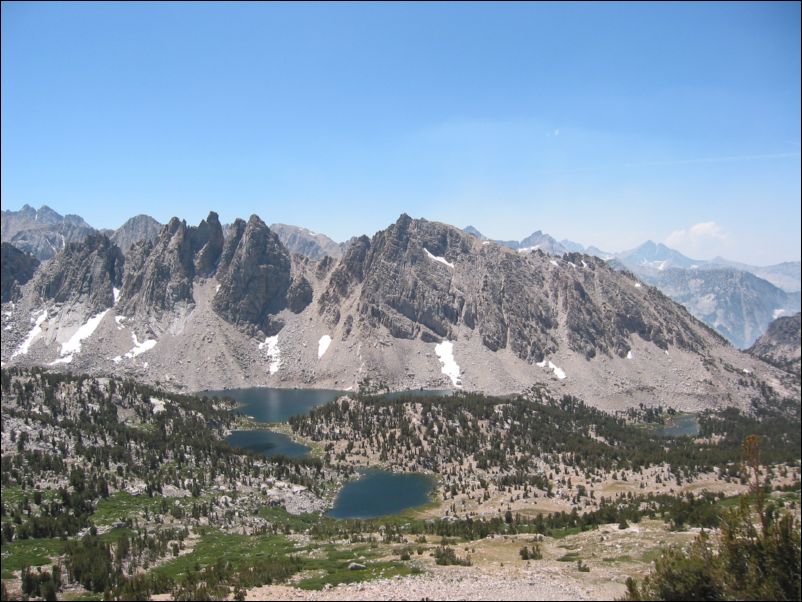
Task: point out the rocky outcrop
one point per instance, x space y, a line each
86 272
254 277
207 245
18 268
161 275
421 279
138 228
781 345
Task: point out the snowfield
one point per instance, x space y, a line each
158 405
323 345
558 372
273 353
138 349
445 353
73 345
35 332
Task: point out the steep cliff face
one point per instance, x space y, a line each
207 245
781 344
87 272
160 275
254 277
18 268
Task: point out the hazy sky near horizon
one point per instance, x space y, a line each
607 124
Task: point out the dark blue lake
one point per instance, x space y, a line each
276 405
684 424
381 493
267 443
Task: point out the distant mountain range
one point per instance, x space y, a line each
419 305
306 242
737 300
537 241
42 232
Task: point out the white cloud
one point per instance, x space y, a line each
702 239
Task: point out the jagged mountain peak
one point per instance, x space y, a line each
255 277
84 272
161 274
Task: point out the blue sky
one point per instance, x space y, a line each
607 124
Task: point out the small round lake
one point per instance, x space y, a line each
276 405
381 493
681 425
267 443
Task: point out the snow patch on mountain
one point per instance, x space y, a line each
558 372
61 360
158 404
273 353
73 345
323 345
35 332
445 353
440 259
138 349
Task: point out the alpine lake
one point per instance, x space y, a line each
681 425
375 493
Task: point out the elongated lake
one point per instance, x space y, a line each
276 405
267 443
